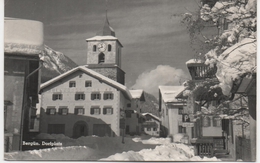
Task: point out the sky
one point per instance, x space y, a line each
155 43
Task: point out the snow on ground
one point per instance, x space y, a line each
139 148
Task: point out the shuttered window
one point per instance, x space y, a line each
95 111
107 110
108 96
57 96
51 110
79 111
95 96
63 111
79 96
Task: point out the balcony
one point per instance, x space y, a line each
199 71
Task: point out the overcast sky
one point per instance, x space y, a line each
156 45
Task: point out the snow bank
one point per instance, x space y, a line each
61 153
165 152
110 149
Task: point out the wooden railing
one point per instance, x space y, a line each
207 146
200 72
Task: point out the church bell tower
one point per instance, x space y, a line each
104 54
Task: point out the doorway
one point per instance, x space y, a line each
80 129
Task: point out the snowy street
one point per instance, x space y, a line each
93 148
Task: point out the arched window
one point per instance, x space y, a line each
101 58
94 48
109 48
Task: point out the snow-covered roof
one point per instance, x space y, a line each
137 94
144 114
169 93
23 36
194 61
93 74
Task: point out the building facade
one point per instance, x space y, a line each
133 116
23 44
82 102
152 125
172 111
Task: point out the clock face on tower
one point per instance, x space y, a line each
101 47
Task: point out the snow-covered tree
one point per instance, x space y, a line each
232 52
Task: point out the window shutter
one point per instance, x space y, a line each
61 96
99 96
76 97
92 111
53 97
76 111
92 96
105 96
112 96
104 110
111 110
99 110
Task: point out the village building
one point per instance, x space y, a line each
172 109
214 136
82 102
152 124
23 44
133 116
92 99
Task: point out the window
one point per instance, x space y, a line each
79 111
94 48
180 111
108 110
182 129
109 96
95 110
154 129
72 84
206 121
51 110
109 47
128 105
148 129
95 96
128 113
57 96
79 96
63 111
88 84
217 122
101 58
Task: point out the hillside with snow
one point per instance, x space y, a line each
55 63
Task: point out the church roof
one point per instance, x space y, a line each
107 29
92 73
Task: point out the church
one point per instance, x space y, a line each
89 99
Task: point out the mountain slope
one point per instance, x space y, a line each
55 63
151 105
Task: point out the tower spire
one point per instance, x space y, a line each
107 30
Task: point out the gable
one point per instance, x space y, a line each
74 72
